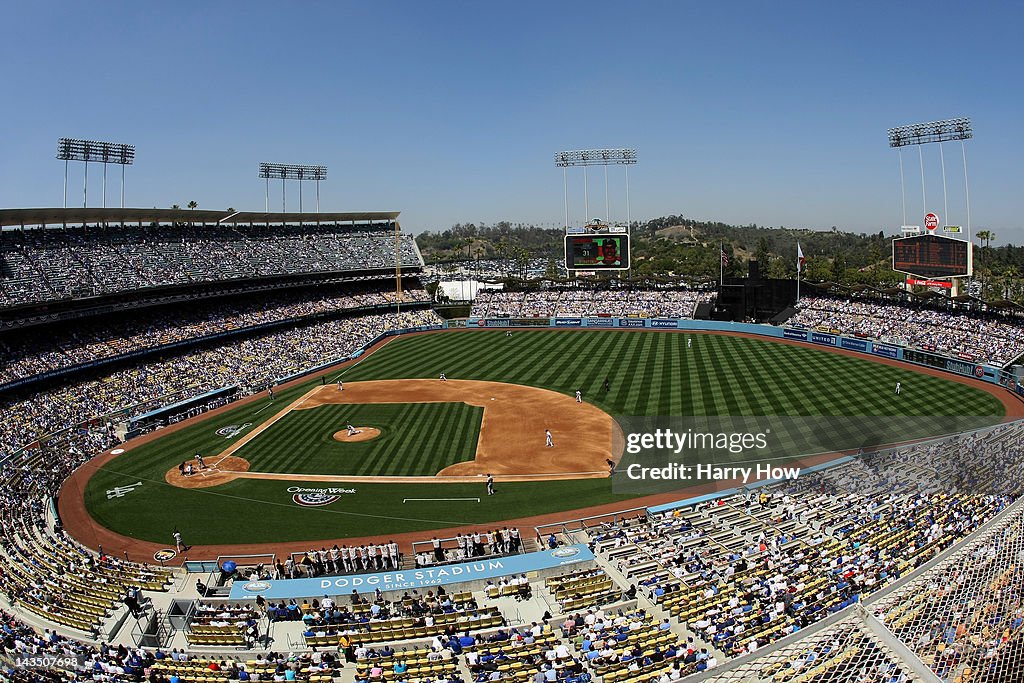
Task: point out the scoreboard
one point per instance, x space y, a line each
597 251
932 256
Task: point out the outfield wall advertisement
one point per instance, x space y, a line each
413 579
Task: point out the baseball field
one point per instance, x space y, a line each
288 470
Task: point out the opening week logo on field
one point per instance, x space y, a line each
315 497
231 431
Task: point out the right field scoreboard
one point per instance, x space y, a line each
932 256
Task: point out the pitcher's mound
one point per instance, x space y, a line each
365 434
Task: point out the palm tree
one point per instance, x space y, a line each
192 204
986 237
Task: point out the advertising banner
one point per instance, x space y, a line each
853 344
885 350
819 338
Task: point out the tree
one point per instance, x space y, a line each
192 204
776 269
839 267
762 251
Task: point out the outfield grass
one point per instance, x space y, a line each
650 373
654 373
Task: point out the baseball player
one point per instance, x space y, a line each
579 396
393 553
352 431
607 384
199 461
443 378
547 439
689 342
178 543
490 484
898 385
341 385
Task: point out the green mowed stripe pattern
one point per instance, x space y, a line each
417 439
650 373
658 373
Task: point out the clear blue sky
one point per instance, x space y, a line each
774 113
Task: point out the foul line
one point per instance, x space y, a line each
406 500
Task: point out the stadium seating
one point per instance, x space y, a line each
982 336
40 265
576 303
31 352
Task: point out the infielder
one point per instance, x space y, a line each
341 385
579 396
443 378
352 431
547 439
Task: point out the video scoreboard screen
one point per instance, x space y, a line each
932 256
598 251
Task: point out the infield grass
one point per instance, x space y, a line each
417 439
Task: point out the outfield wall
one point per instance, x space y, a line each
834 339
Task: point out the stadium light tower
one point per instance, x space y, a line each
594 157
292 172
919 134
72 149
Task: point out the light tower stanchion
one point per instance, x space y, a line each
967 190
73 149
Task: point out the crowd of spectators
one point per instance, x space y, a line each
251 363
49 264
25 353
668 303
991 337
746 570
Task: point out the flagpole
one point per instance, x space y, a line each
721 265
799 267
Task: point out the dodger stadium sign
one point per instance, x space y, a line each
413 578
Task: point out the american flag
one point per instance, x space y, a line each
725 257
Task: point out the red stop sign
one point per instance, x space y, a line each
931 221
